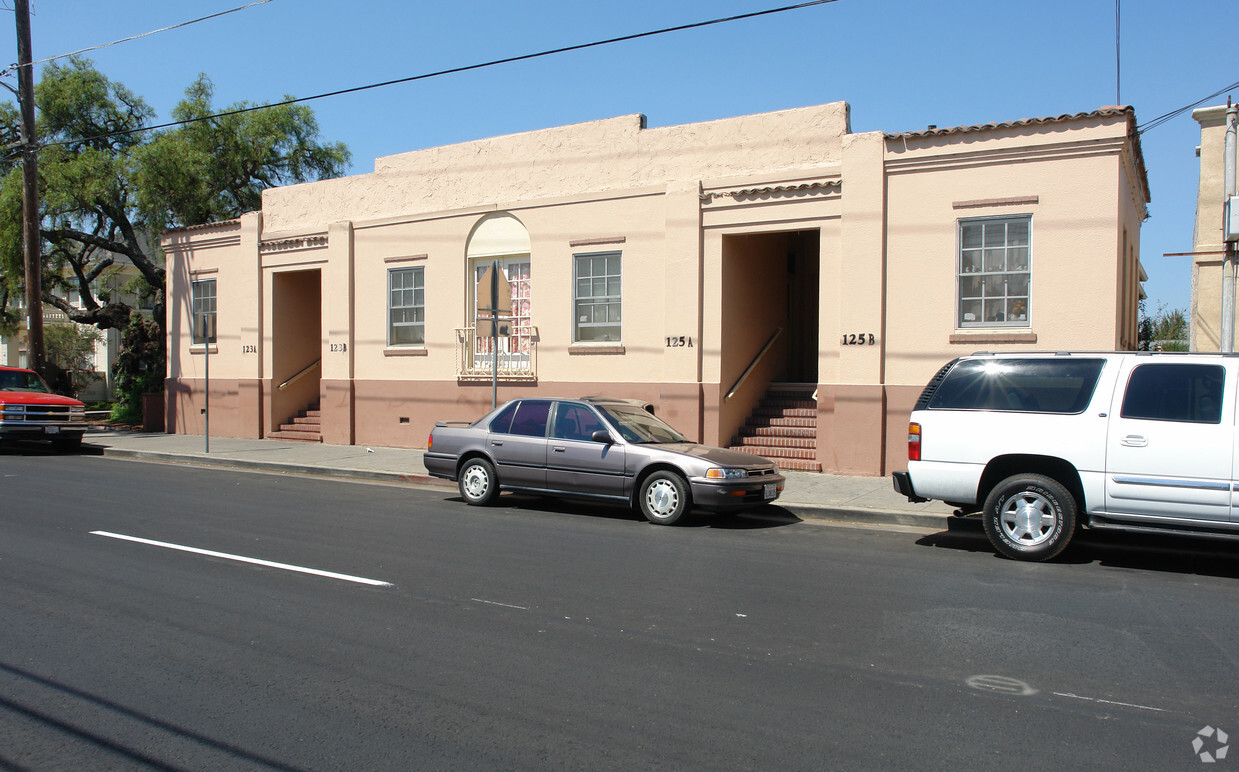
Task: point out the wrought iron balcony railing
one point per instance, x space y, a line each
517 355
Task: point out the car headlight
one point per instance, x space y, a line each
721 473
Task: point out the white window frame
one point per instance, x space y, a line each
416 289
993 280
606 298
200 304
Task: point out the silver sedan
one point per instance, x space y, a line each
596 448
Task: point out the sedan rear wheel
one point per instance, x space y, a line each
664 498
478 484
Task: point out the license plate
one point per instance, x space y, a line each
769 490
56 430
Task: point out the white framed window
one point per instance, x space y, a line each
406 306
994 271
202 308
515 339
596 301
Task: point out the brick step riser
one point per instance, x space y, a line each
776 442
792 392
778 431
787 404
785 412
295 436
803 423
798 466
777 453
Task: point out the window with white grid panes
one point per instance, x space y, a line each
202 306
596 298
514 347
994 270
406 306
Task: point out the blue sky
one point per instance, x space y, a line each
901 64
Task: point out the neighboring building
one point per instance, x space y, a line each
107 348
660 264
1207 245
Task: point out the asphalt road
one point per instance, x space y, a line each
541 635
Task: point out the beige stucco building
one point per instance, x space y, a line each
690 266
1207 245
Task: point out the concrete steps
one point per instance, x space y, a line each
783 428
306 427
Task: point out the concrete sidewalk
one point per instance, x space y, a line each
807 495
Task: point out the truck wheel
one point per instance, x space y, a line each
1030 517
664 498
479 485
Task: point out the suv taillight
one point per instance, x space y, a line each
914 442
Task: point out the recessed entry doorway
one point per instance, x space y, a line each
297 348
770 292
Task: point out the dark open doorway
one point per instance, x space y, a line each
296 336
770 291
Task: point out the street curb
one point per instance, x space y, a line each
826 513
277 467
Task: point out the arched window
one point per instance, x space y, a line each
501 238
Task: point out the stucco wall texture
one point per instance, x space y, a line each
840 248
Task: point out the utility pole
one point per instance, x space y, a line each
1228 262
31 240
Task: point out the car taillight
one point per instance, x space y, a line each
914 442
430 441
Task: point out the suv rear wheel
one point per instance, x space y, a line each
1030 517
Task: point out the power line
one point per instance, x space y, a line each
453 70
13 67
1159 120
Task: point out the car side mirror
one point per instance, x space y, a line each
602 436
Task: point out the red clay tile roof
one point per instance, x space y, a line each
1101 112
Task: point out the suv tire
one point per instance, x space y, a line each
1030 517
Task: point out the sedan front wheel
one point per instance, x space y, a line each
664 498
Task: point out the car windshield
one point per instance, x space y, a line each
636 425
22 380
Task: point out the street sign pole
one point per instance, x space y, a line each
494 335
494 299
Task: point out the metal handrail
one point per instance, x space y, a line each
740 381
301 374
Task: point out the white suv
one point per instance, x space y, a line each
1043 444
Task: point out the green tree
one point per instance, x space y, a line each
70 352
109 187
1166 328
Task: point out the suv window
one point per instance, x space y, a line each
1175 392
1021 385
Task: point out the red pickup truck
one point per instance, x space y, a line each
29 410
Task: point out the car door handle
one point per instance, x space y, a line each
558 449
1134 441
496 443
